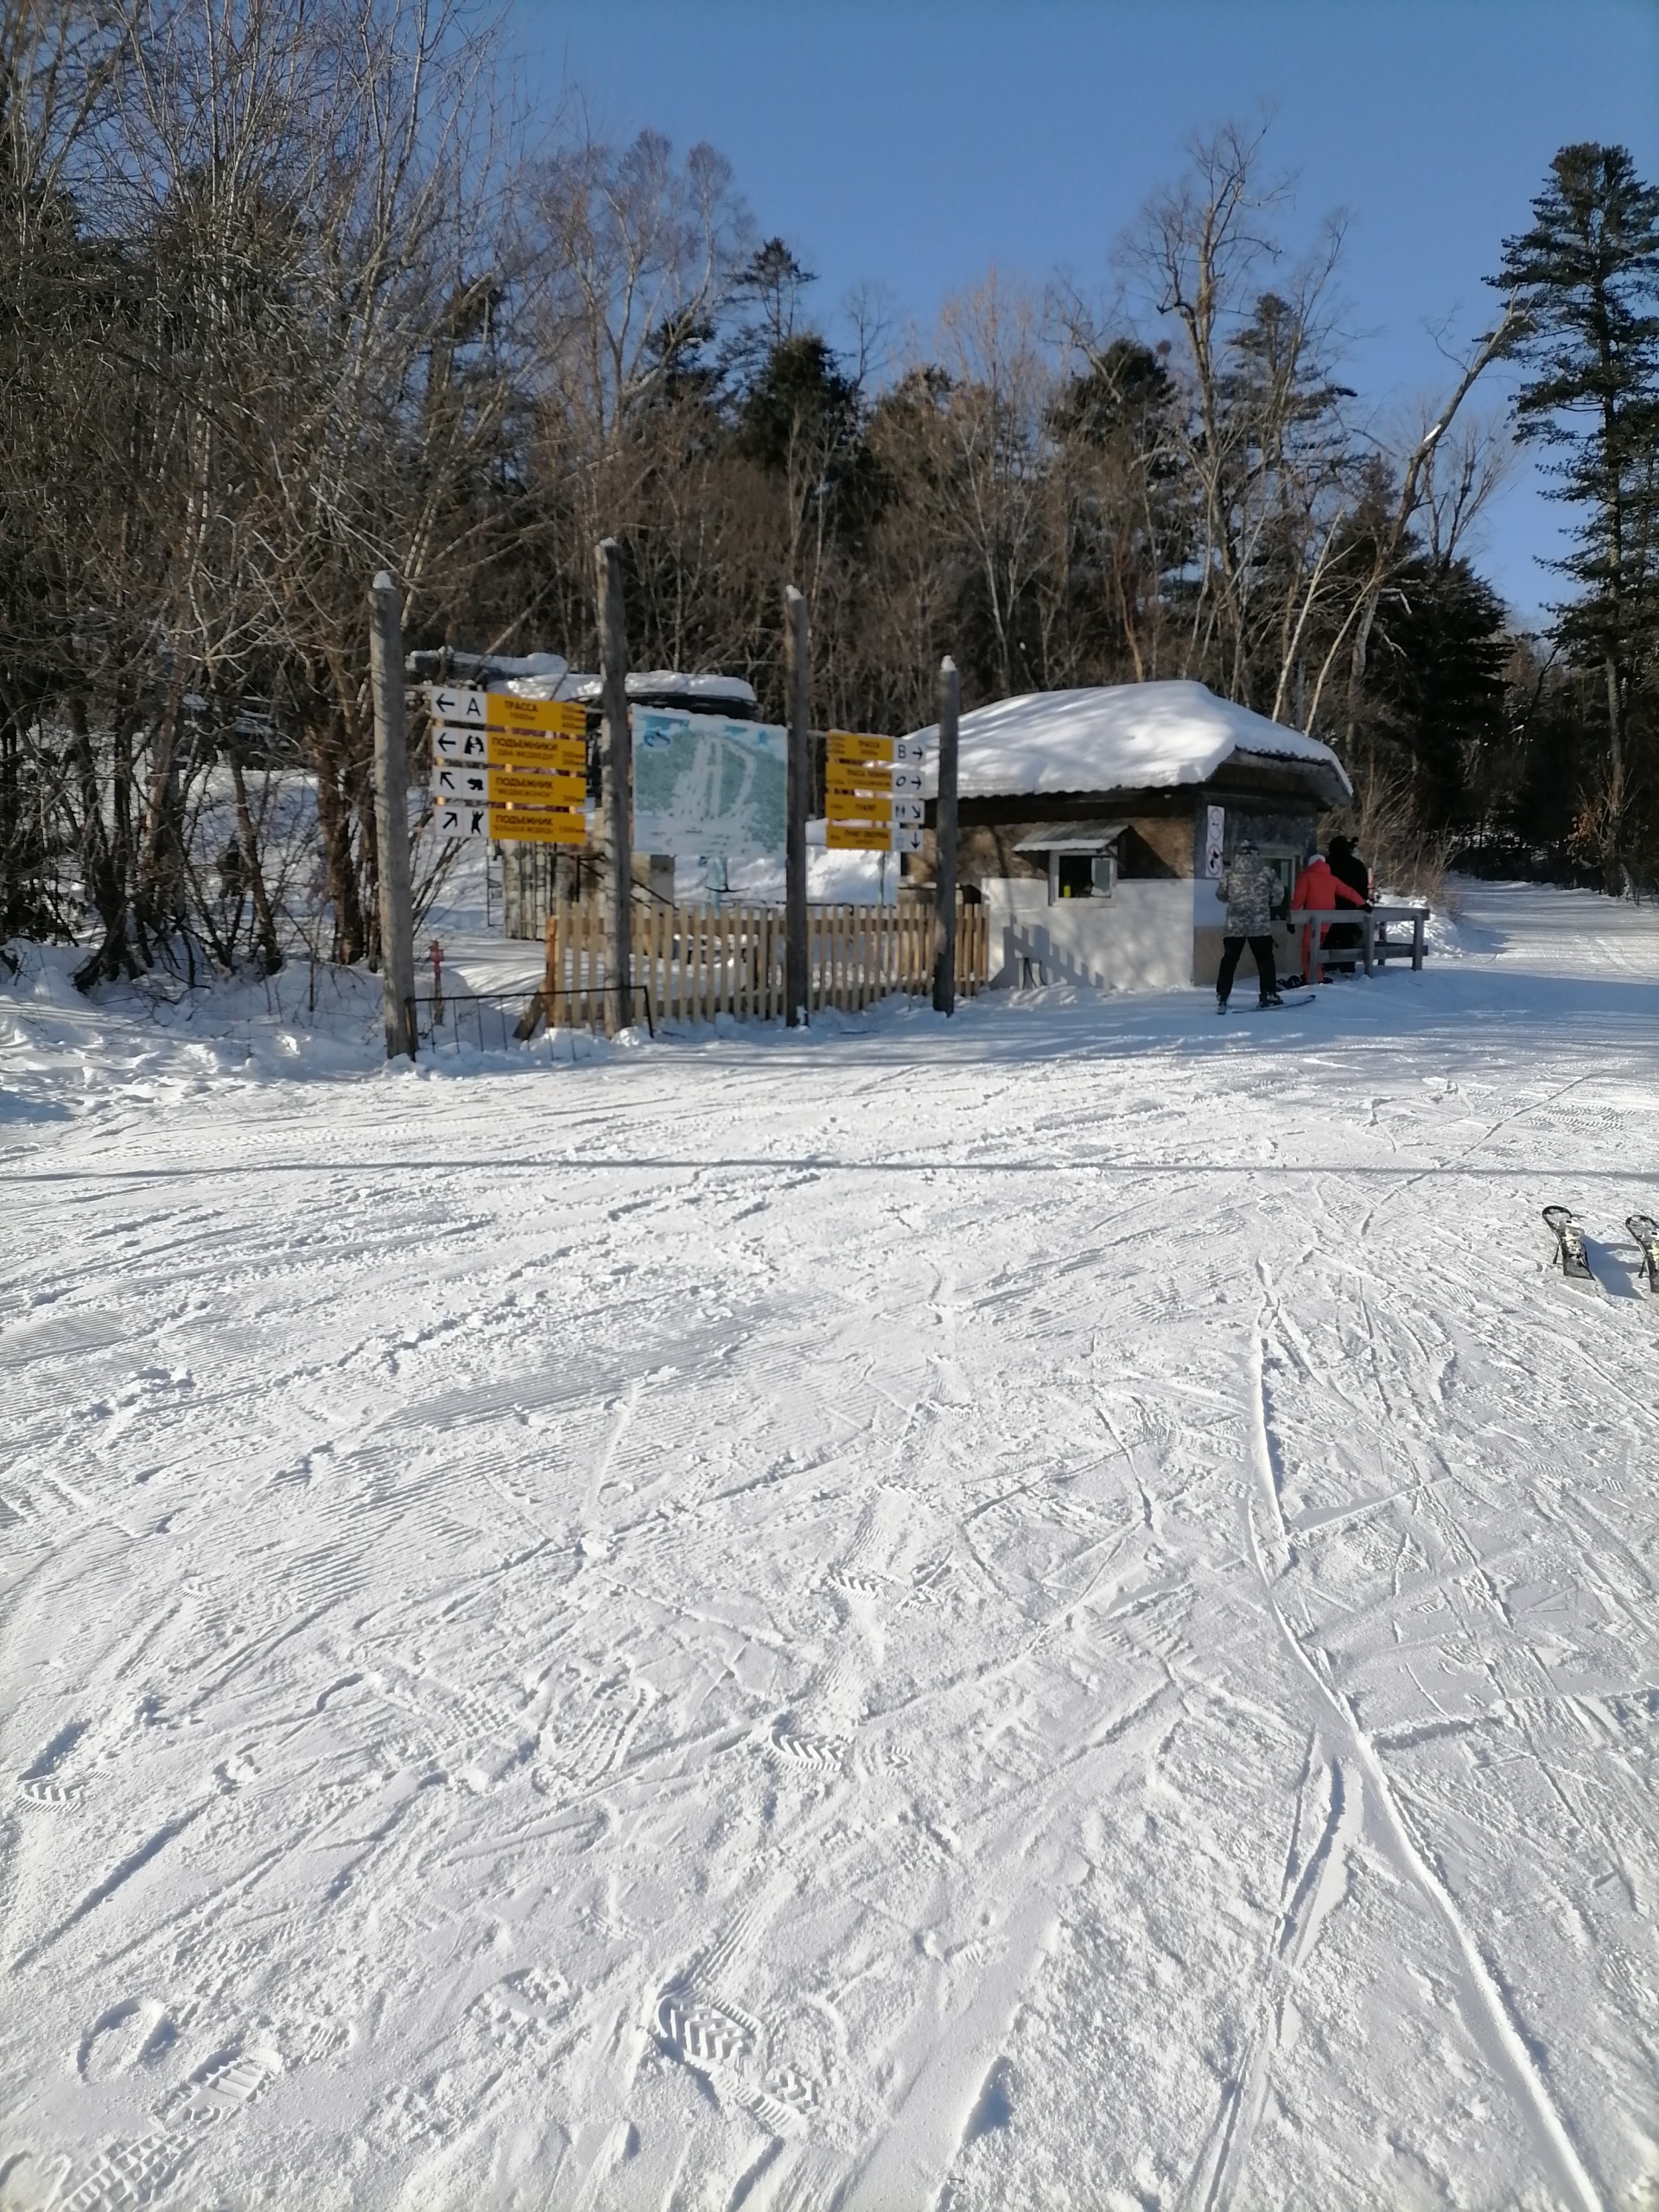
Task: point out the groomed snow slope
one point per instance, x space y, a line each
1118 737
1052 1610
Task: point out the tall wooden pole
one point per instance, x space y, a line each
797 656
945 843
616 750
392 816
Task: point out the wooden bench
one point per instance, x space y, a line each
1377 948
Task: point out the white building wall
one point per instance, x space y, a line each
1140 940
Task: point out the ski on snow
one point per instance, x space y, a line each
1569 1246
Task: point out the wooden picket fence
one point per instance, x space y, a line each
696 962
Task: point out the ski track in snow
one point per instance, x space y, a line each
1052 1611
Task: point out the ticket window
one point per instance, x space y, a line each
1082 874
1284 867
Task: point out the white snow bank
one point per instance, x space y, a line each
1122 736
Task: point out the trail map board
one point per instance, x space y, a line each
705 787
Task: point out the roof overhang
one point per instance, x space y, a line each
1072 837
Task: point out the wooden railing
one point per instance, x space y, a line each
1375 947
696 962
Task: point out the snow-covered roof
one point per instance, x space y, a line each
668 684
550 676
533 676
1117 737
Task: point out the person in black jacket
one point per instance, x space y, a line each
1348 867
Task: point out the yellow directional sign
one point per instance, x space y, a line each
516 749
852 750
527 825
873 793
465 706
506 749
845 745
513 825
502 786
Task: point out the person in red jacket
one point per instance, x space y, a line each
1317 889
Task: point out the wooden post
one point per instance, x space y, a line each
616 750
391 817
945 841
798 664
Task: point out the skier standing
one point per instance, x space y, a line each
1317 891
1347 867
1248 886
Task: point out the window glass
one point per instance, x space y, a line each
1285 868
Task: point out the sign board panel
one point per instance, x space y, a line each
512 825
873 793
502 748
501 786
1214 841
707 787
847 747
872 837
841 778
527 825
838 807
466 706
460 821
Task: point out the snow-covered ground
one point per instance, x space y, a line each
1048 1610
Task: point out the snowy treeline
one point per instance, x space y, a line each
293 294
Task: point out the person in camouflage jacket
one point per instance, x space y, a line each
1248 886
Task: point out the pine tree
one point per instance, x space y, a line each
1588 273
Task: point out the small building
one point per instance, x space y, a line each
1093 824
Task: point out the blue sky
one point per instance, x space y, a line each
914 145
